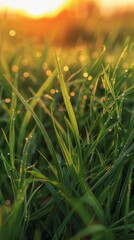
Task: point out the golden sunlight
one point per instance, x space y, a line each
111 5
35 8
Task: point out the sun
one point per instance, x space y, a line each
35 8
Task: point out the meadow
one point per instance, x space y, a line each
67 140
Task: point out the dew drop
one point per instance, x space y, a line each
85 97
66 68
7 100
72 94
48 72
38 54
7 202
90 78
52 91
15 68
12 33
26 75
91 86
85 74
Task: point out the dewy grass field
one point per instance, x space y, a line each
66 142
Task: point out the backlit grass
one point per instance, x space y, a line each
67 143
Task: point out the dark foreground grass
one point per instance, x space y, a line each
67 145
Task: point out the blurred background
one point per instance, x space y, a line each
68 22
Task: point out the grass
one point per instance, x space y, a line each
67 144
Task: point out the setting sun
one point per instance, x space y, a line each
40 8
35 8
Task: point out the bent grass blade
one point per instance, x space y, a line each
39 124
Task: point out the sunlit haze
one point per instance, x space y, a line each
35 8
110 5
38 8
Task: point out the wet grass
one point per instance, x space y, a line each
67 143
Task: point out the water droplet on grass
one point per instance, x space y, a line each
85 74
26 75
38 54
81 58
15 68
12 33
85 97
7 202
90 78
48 73
72 94
91 86
66 68
7 100
52 91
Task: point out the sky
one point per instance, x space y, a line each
52 7
111 4
35 7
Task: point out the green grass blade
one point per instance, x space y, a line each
39 124
33 104
12 127
68 104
